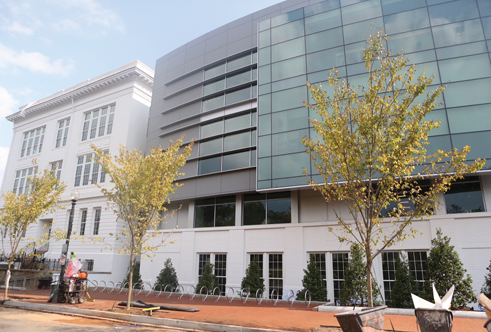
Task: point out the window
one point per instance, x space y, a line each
389 260
83 222
62 135
97 221
33 142
21 182
56 168
417 264
215 212
220 269
98 123
261 209
275 276
465 196
88 265
320 261
339 263
88 171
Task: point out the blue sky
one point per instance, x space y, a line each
50 45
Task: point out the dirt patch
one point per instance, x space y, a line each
327 329
132 311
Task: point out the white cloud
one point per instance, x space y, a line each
4 153
33 61
8 103
66 25
17 27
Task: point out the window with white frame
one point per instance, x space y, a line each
320 261
97 221
98 122
21 181
62 134
389 260
339 263
83 222
417 264
271 269
88 265
220 268
56 168
88 171
32 142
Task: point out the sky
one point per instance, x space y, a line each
50 45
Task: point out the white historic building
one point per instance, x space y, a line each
57 131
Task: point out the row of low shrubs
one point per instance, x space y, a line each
443 267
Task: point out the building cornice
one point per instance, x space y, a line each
66 96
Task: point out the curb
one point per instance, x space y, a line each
404 312
164 322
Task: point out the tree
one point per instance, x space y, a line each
312 282
207 279
371 152
354 289
141 186
167 276
253 280
400 295
445 269
486 287
22 210
137 282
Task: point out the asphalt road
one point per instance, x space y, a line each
15 320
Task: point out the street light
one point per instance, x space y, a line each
74 195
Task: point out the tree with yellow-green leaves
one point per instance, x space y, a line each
22 210
141 188
371 151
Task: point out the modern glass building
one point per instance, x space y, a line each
239 92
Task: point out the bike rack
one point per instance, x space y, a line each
219 293
201 294
95 284
293 297
194 292
171 291
182 291
242 293
233 294
157 295
277 296
121 287
257 296
150 290
102 291
310 298
110 291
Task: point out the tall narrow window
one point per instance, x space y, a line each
98 122
97 221
389 260
202 261
83 222
320 261
221 271
417 264
62 134
275 276
32 142
339 263
56 168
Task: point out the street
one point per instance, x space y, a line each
15 320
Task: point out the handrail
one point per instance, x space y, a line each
219 293
277 296
201 292
247 292
257 296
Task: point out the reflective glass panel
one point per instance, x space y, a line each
290 165
361 11
213 103
467 119
236 160
237 96
265 124
213 87
484 7
327 59
289 142
438 115
239 79
360 31
323 21
396 6
211 129
263 25
468 93
205 216
289 83
419 57
287 31
288 68
264 74
288 17
254 213
279 211
458 33
286 99
237 141
264 169
237 123
320 7
407 21
354 52
264 104
453 12
210 147
465 196
264 38
459 69
486 23
264 56
212 72
225 213
475 141
323 40
238 63
438 143
290 120
287 50
411 41
210 165
264 146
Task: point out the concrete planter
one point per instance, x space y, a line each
434 320
363 320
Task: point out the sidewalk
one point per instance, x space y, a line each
231 316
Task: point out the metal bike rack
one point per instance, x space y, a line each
277 297
180 287
257 296
121 287
110 291
219 293
139 290
233 294
95 284
293 297
171 290
242 292
150 290
201 292
103 289
194 292
310 298
158 294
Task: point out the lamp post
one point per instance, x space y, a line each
74 195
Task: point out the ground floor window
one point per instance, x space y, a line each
271 269
465 196
320 261
339 263
220 268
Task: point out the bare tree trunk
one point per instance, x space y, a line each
130 286
369 282
7 280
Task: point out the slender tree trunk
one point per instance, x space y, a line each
7 280
369 282
130 286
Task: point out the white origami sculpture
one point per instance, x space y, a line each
443 303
